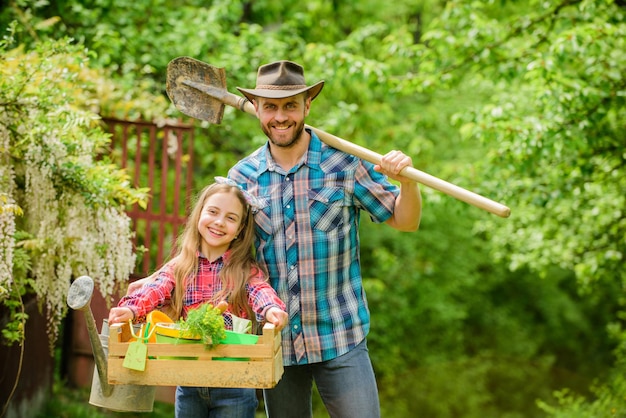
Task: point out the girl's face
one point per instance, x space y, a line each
219 223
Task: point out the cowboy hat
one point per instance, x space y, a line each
281 79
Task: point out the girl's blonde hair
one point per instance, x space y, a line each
239 267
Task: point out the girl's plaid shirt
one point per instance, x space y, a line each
202 289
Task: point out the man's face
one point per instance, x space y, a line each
282 120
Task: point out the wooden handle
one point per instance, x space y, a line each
417 175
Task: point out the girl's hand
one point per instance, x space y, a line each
278 317
222 306
119 315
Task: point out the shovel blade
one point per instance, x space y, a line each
189 100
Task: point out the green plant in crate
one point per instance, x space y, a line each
207 322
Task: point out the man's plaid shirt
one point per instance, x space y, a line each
307 237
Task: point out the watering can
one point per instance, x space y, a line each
124 398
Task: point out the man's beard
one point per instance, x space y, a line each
294 139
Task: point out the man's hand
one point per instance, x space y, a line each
392 163
408 210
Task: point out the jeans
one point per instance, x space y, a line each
196 402
346 384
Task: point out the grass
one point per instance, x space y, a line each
66 402
69 401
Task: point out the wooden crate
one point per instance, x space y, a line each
255 366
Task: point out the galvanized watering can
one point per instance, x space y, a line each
124 398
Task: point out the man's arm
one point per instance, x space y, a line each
408 209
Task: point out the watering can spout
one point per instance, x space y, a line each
79 298
124 398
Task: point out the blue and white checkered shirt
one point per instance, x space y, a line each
307 237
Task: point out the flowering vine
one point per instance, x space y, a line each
62 202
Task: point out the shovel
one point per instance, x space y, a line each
198 90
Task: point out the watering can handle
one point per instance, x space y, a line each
78 298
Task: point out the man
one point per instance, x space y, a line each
307 236
310 198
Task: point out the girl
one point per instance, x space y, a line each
214 263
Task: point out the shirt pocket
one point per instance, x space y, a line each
263 218
327 207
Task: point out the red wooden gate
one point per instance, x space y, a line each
158 157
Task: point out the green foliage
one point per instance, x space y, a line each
522 102
470 330
68 402
607 401
553 124
12 300
62 208
205 321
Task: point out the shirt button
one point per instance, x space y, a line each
288 206
295 327
292 267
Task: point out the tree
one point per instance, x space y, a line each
554 124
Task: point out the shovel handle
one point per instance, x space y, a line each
409 172
416 175
450 189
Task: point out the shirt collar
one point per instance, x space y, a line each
311 158
224 257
